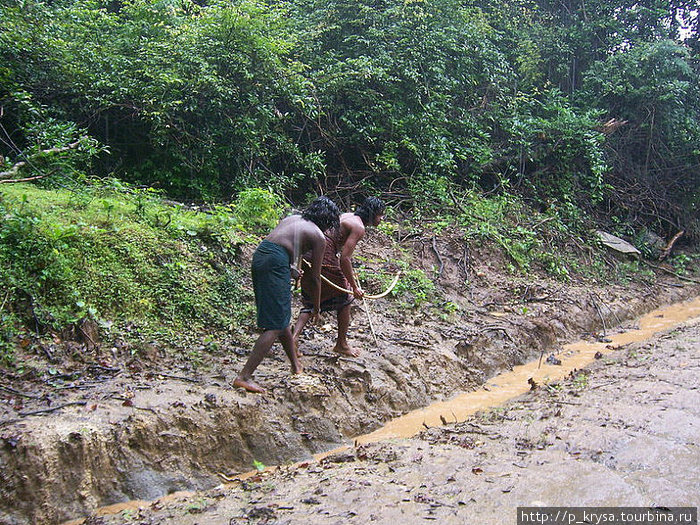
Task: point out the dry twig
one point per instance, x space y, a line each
442 263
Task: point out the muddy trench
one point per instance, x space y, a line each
163 434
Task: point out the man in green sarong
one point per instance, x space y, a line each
271 271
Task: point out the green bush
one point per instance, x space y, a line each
257 209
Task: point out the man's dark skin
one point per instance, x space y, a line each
296 236
352 231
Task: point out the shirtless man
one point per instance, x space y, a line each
293 236
337 268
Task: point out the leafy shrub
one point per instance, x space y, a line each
413 289
106 259
257 209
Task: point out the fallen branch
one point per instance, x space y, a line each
104 368
601 385
28 179
408 342
53 409
547 297
600 314
181 378
14 169
464 261
667 250
682 277
7 295
442 263
227 478
18 393
87 336
499 328
619 321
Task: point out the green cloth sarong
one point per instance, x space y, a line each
272 286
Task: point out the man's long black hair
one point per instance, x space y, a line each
323 212
369 209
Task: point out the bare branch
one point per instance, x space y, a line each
14 169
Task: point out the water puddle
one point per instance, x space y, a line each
508 385
131 506
497 390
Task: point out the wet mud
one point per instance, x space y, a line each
625 431
115 433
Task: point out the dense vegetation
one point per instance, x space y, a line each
588 104
578 110
141 269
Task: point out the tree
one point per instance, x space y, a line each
656 153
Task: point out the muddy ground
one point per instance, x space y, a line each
625 431
114 427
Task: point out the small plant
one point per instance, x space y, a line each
128 514
554 265
8 334
449 307
257 209
581 381
683 263
414 287
388 227
197 506
553 388
258 465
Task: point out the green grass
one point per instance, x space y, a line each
125 257
117 254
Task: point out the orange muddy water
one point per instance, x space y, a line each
508 385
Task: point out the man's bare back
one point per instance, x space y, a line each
297 236
271 281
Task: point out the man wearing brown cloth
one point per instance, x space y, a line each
271 271
337 268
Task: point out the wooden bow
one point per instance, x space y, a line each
367 296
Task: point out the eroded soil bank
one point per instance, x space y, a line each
111 430
625 431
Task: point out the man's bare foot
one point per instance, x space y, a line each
345 350
248 385
296 370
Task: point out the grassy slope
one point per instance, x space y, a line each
135 264
119 256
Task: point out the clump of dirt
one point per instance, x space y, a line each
114 427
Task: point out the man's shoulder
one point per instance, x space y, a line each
352 222
295 226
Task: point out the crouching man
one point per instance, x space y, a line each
271 271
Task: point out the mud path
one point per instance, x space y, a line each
625 431
113 427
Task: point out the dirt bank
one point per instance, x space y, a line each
113 428
623 432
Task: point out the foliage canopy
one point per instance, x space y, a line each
589 105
